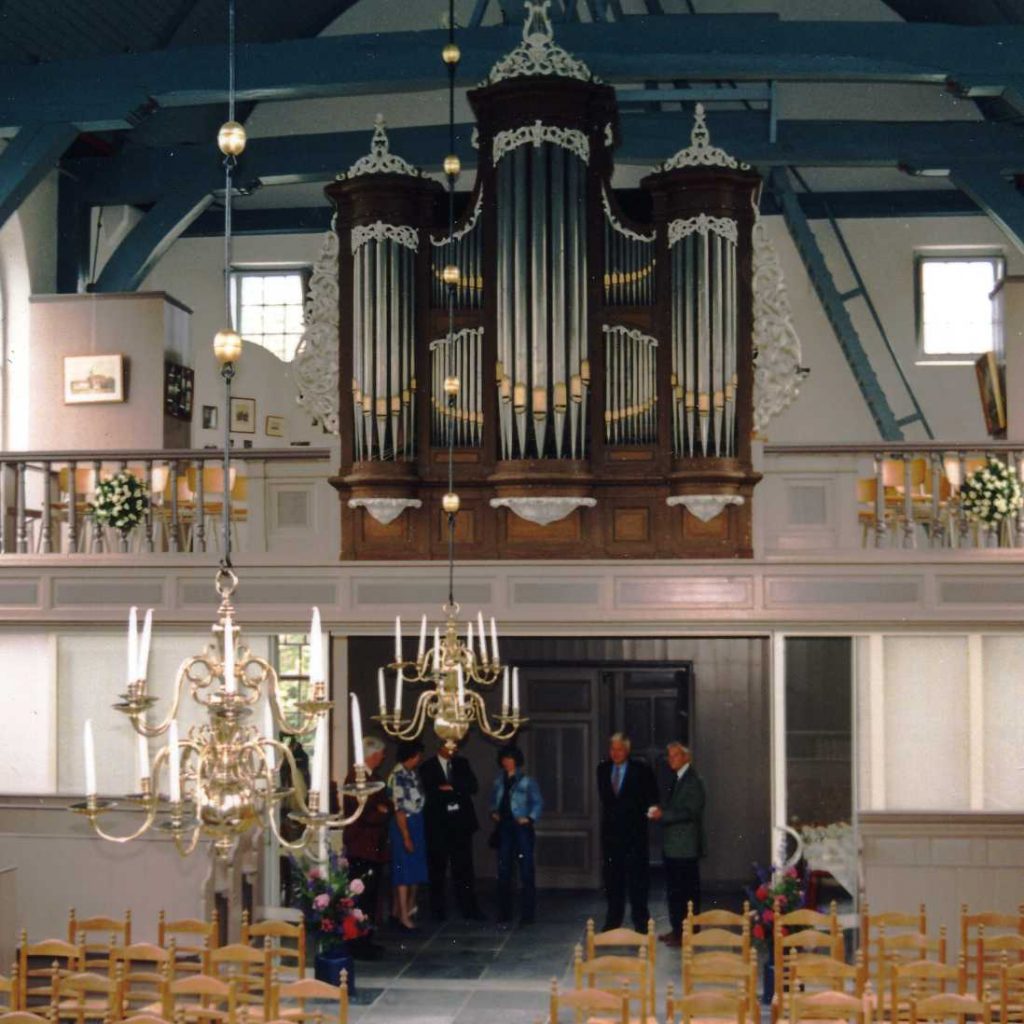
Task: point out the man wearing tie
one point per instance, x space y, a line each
629 797
684 842
449 786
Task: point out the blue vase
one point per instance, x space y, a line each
331 961
767 981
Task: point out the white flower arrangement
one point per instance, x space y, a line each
991 494
120 502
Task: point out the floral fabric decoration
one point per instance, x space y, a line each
991 494
120 502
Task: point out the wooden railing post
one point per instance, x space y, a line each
46 523
72 472
199 512
937 532
880 524
148 483
97 526
173 543
20 525
909 527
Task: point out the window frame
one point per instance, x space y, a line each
958 255
241 270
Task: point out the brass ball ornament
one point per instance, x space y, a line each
450 275
450 503
227 345
231 138
452 165
451 54
451 386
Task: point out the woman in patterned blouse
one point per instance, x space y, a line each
408 842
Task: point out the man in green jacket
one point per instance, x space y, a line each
684 841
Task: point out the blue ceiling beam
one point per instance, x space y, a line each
28 158
140 177
132 260
998 197
114 91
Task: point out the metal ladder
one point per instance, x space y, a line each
834 302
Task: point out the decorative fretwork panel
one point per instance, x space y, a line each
631 395
460 357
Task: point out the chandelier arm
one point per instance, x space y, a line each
286 752
193 842
505 729
308 721
299 846
151 808
414 726
179 687
338 821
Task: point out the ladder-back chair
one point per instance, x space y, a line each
617 973
827 1005
193 940
250 970
588 1003
200 998
622 939
705 1006
297 1001
718 972
985 924
939 1009
287 944
38 964
145 969
87 996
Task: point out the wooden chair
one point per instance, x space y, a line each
719 940
287 944
23 1017
974 925
1011 993
87 996
817 935
828 1005
894 923
625 938
718 972
945 1006
288 1002
615 973
249 969
98 936
589 1003
992 951
917 980
200 997
38 965
829 975
702 1006
145 969
719 918
193 939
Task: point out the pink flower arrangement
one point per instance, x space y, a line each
326 896
356 887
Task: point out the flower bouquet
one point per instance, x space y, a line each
120 502
327 898
773 886
991 494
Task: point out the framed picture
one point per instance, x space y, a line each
275 426
990 387
179 385
243 415
93 379
211 414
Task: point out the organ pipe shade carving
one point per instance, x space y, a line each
464 249
542 348
462 355
383 357
628 261
630 396
704 370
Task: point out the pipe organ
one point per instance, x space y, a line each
604 359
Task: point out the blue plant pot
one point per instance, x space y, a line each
767 981
331 962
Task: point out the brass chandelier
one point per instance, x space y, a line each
453 663
224 778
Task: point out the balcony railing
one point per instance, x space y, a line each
46 498
907 495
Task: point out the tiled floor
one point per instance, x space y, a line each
471 972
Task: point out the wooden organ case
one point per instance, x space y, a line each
605 365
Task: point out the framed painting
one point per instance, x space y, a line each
179 386
91 379
243 415
990 388
275 426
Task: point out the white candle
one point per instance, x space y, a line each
398 695
142 755
316 775
437 650
504 690
382 701
90 759
321 852
461 680
269 733
174 764
357 732
469 637
316 649
133 643
494 642
398 639
515 689
230 683
423 640
147 632
483 636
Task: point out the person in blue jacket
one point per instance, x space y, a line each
516 806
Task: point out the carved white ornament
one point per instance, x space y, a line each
702 224
700 152
568 138
777 354
632 333
704 506
542 511
315 366
379 231
538 54
466 228
618 225
380 159
385 510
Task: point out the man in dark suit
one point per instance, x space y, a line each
629 796
450 819
684 842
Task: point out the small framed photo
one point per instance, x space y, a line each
243 415
211 414
90 379
991 389
275 426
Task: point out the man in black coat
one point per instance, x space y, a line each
629 795
450 819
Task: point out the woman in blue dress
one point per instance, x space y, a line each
408 843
